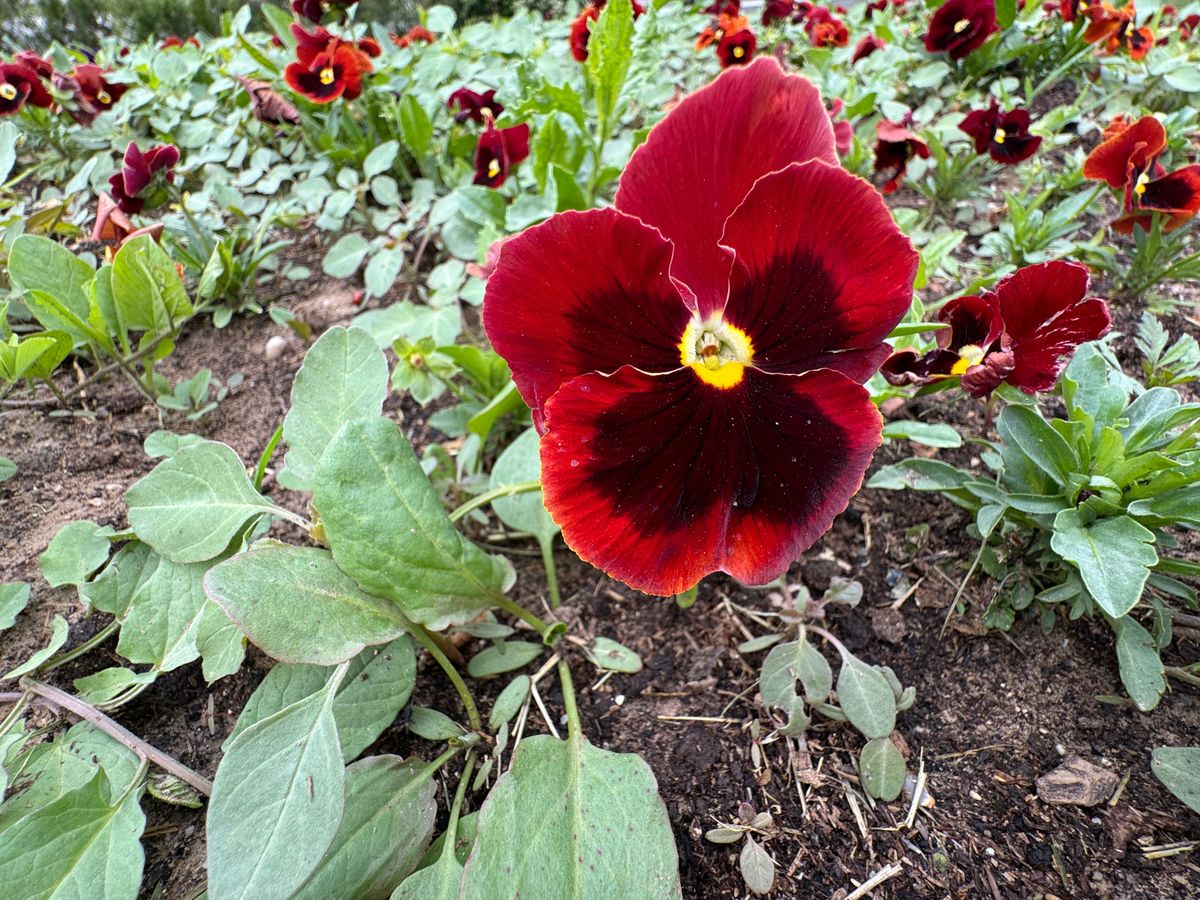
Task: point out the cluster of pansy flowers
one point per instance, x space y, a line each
1128 159
328 67
730 33
85 92
499 149
581 27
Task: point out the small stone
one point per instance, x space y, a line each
1077 782
276 344
888 624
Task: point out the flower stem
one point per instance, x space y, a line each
551 573
487 497
574 727
426 640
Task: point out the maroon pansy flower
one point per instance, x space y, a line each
581 31
114 227
19 85
865 47
39 64
131 186
736 48
92 92
960 26
327 67
777 11
474 106
498 150
1024 333
694 358
1002 135
824 29
895 145
267 105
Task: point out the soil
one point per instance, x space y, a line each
993 711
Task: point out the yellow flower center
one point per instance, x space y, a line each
103 97
999 136
493 168
7 91
716 351
968 355
326 75
738 52
1139 186
961 25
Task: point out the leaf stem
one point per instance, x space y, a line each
22 703
425 639
574 727
523 487
551 572
90 714
531 619
75 652
837 645
268 451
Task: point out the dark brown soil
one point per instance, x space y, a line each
993 712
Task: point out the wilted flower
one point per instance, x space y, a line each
498 150
865 47
1002 135
19 85
693 358
174 40
960 26
1024 333
474 106
139 173
114 227
895 145
267 105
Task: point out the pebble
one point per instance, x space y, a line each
276 344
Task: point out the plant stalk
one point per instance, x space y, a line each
425 639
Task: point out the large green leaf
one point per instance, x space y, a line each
13 597
1113 555
1179 769
388 530
194 503
375 689
84 844
1040 443
866 697
1140 665
277 802
386 826
344 377
569 821
76 551
1181 505
146 289
36 263
297 606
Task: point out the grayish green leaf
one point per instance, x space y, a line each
608 654
1179 769
433 725
522 512
13 598
866 697
757 867
882 767
1113 555
75 552
503 656
1139 663
510 701
59 630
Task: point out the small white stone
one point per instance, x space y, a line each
276 344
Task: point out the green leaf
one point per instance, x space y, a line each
503 656
75 552
1180 506
277 801
376 687
380 159
882 768
610 52
440 881
571 820
386 826
297 606
194 503
59 631
1113 555
344 376
919 475
1178 768
146 288
791 662
383 270
1006 12
433 725
81 845
36 263
567 192
165 443
345 256
930 434
608 654
1139 662
757 867
7 468
510 701
109 683
1040 443
389 532
866 697
14 596
415 126
521 463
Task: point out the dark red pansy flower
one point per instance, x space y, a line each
114 227
1002 135
1024 333
92 92
140 171
824 29
736 48
315 10
865 47
777 11
174 40
30 60
895 145
1117 28
310 45
498 150
581 31
415 35
1126 152
326 67
960 26
1176 197
843 131
19 85
732 8
474 106
1070 10
267 105
694 358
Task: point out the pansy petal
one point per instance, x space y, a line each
1045 318
660 480
583 292
1178 192
699 162
824 292
1138 144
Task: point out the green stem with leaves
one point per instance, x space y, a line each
426 640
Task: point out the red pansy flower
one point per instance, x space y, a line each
19 85
960 26
732 8
267 105
315 10
92 92
1117 28
694 358
1002 135
114 227
895 145
1187 27
865 47
30 60
415 35
1024 333
824 29
327 67
1176 197
139 172
310 46
174 40
736 48
498 150
777 11
1126 152
474 106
